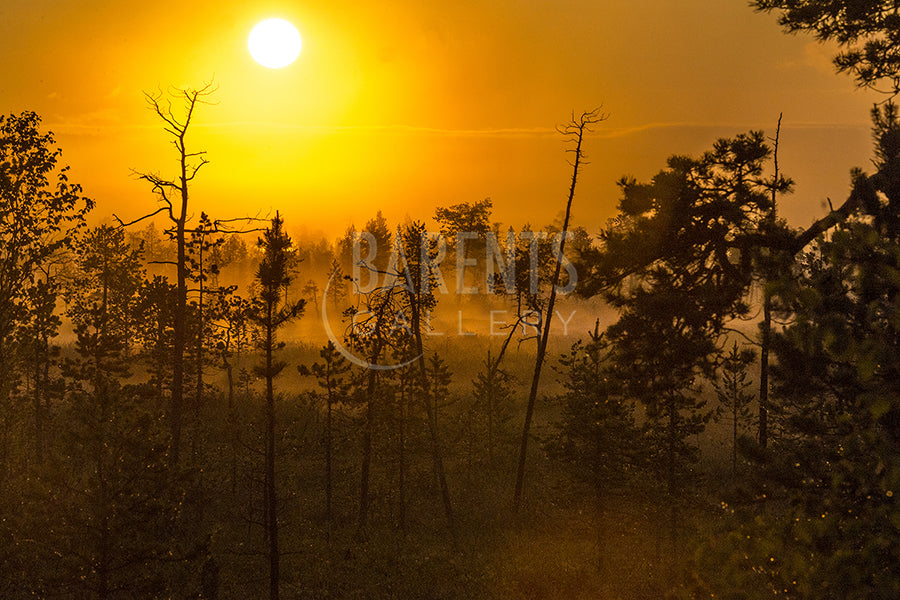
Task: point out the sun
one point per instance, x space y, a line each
274 43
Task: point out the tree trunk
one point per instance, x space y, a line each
542 342
436 455
329 440
401 484
199 391
232 422
41 360
764 371
5 392
431 408
271 499
734 436
178 333
491 382
767 315
671 483
362 524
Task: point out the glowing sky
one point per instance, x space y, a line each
402 105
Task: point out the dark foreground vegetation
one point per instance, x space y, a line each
728 426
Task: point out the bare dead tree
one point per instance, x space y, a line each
766 325
173 194
575 131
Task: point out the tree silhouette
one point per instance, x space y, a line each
40 213
174 195
731 390
492 393
155 318
371 333
867 30
331 375
418 293
116 526
834 471
201 248
575 130
465 227
682 264
270 313
598 437
33 338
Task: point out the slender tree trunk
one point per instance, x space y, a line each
764 371
232 421
271 498
579 130
159 354
5 385
180 320
436 455
199 391
178 215
362 524
39 389
401 484
734 436
598 500
431 408
369 431
178 333
763 436
490 410
329 441
101 396
229 374
672 482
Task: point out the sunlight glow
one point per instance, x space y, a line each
274 43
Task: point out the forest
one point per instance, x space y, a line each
696 401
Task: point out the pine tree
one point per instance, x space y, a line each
270 313
866 31
492 392
116 523
833 474
598 438
331 374
734 400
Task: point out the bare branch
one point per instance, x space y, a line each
828 221
195 169
139 219
743 335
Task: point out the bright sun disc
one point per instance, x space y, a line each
274 43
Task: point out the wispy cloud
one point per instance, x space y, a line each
621 132
107 121
394 128
816 56
97 122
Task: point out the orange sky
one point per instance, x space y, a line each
403 106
